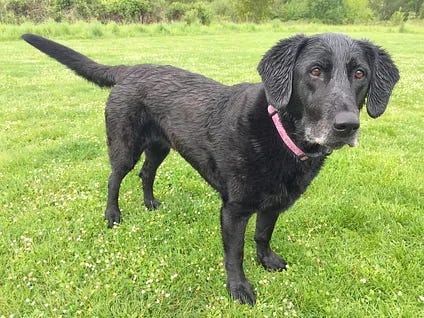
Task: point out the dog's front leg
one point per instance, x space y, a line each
233 228
265 223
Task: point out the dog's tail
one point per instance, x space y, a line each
102 75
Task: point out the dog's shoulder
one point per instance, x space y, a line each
247 97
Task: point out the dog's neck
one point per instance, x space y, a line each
294 148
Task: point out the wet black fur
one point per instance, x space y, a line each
225 133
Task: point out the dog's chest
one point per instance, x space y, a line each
286 184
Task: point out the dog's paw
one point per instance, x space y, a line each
272 262
152 204
113 217
242 291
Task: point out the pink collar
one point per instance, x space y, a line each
284 136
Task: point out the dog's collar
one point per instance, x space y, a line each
289 142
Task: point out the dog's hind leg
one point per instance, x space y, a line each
124 128
113 214
122 162
155 154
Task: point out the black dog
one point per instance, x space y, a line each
259 145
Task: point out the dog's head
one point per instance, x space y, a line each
322 81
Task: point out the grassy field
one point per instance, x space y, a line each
354 241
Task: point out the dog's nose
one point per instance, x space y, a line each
346 122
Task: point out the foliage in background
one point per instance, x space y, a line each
251 10
204 11
384 9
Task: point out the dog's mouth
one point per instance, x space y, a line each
330 144
332 141
337 144
330 135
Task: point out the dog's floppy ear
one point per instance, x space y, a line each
384 76
276 70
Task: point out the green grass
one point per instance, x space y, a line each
354 241
94 30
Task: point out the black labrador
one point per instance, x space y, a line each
259 145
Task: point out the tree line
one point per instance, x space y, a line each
206 11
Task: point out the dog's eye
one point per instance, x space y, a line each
359 74
316 71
